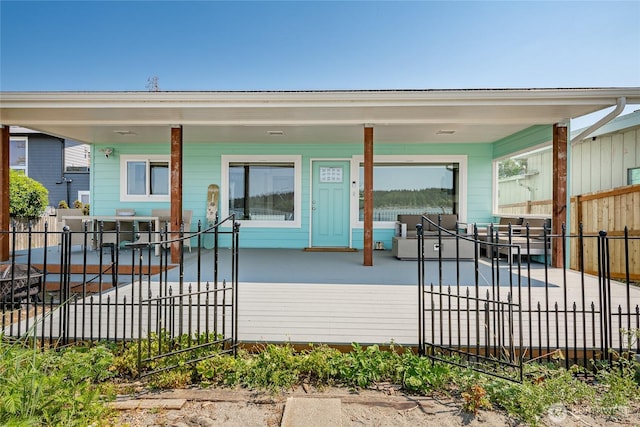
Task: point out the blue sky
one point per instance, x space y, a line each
305 45
207 45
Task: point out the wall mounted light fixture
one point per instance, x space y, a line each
107 151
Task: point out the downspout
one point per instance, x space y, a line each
621 103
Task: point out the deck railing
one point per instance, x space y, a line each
75 293
530 311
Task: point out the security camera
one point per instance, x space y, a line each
107 152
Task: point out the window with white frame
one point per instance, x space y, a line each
144 178
262 190
524 183
18 153
84 196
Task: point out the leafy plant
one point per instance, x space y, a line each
475 398
274 368
27 197
362 367
52 388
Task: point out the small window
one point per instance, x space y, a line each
633 176
18 154
144 179
84 197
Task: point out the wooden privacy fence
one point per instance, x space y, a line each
37 234
609 211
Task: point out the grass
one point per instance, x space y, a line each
71 387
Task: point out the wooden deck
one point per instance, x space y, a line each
352 311
346 313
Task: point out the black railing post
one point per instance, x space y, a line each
603 263
566 303
627 276
419 234
234 284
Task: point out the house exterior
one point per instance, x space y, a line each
315 168
61 165
605 159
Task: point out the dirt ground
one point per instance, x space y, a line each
381 408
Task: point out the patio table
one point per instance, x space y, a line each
95 219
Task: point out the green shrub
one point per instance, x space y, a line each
362 367
27 197
52 388
274 368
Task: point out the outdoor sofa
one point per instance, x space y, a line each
437 242
509 237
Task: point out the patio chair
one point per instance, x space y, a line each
165 218
109 237
537 242
76 226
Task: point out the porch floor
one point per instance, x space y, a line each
327 297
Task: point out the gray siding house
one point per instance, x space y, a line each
62 166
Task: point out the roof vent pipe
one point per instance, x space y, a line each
620 104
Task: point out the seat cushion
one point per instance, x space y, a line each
536 226
447 221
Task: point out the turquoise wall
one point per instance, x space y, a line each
202 166
519 141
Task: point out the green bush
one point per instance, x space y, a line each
48 388
27 197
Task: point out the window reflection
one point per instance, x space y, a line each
411 189
262 191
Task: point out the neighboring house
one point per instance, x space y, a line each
62 166
605 159
608 158
291 165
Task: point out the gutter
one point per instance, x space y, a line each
620 104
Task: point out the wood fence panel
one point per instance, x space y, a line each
37 233
610 211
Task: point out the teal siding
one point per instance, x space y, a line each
202 166
530 137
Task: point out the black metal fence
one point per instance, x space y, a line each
526 310
86 290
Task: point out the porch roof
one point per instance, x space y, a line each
408 116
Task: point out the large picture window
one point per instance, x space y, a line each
145 178
262 191
411 188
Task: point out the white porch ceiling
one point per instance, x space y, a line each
302 117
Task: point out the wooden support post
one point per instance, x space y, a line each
559 192
4 192
176 190
368 196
